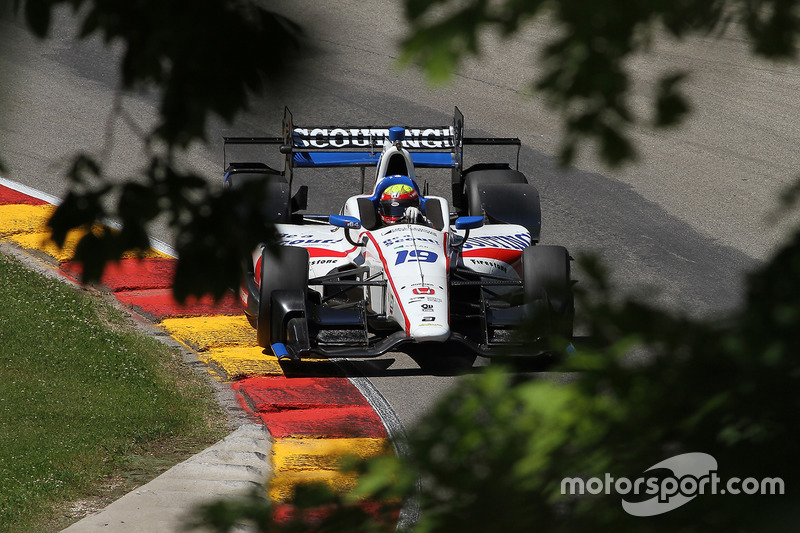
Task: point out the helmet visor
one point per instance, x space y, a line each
395 208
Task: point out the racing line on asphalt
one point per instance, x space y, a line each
314 419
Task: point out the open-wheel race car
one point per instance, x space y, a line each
397 265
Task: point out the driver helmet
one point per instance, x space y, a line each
394 202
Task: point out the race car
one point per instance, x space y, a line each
396 265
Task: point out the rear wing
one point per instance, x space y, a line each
336 146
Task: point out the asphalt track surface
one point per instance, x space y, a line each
681 226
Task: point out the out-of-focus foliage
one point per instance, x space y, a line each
204 59
211 224
582 71
493 453
651 385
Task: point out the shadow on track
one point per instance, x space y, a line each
448 359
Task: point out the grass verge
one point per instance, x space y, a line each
88 404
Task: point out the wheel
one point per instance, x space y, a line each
548 289
504 196
266 184
289 271
474 181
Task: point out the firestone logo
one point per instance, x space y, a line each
693 474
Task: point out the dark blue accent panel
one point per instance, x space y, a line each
358 159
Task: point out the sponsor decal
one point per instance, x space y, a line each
420 284
491 264
322 261
425 229
519 241
365 137
393 230
428 318
289 239
423 290
427 307
392 241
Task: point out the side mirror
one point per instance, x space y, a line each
347 223
469 223
466 223
343 221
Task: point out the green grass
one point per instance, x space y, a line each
83 398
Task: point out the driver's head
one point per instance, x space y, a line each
394 202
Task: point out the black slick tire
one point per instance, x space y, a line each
288 271
548 287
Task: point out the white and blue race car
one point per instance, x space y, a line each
468 271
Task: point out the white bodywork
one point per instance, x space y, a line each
413 259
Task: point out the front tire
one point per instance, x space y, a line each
548 289
288 271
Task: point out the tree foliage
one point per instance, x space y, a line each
203 60
207 60
583 71
652 384
492 454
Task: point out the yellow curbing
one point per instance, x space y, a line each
21 218
204 333
304 460
227 345
41 242
26 226
239 362
283 485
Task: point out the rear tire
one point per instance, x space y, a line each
504 196
289 271
548 288
267 185
475 180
